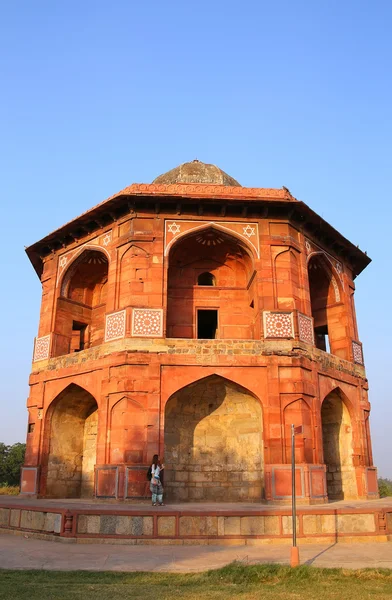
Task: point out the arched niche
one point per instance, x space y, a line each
328 309
298 413
128 432
206 278
81 307
287 280
225 310
134 265
213 438
338 446
73 425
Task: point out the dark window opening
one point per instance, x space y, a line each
321 338
252 304
206 279
207 323
78 340
31 428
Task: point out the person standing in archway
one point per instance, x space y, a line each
156 486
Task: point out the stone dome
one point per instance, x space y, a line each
197 172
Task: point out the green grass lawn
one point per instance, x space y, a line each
234 581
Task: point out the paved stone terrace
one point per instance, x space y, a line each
138 506
23 552
203 524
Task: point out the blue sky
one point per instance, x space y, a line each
97 95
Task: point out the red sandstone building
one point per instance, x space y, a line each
198 319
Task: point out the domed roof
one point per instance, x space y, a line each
197 172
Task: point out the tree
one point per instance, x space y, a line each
384 487
11 461
3 457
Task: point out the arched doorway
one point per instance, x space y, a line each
213 443
73 420
337 447
81 307
211 291
328 309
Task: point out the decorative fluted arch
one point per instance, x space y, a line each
218 227
67 274
332 271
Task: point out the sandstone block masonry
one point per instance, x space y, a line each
198 320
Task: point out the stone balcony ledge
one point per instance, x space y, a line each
203 349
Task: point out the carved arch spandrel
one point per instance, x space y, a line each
250 230
60 388
175 378
334 274
67 260
134 250
346 392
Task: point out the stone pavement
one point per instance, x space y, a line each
24 552
185 507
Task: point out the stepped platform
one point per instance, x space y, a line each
86 521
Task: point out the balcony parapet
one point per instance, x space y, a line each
156 345
204 350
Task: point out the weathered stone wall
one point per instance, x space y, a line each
338 449
179 527
125 374
34 520
90 431
213 443
197 349
71 439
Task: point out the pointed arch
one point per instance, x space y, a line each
214 425
331 270
206 278
135 250
132 400
336 426
69 387
329 311
81 305
72 424
77 259
192 311
217 376
344 398
128 432
298 413
76 256
218 227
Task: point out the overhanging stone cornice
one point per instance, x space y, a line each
259 202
